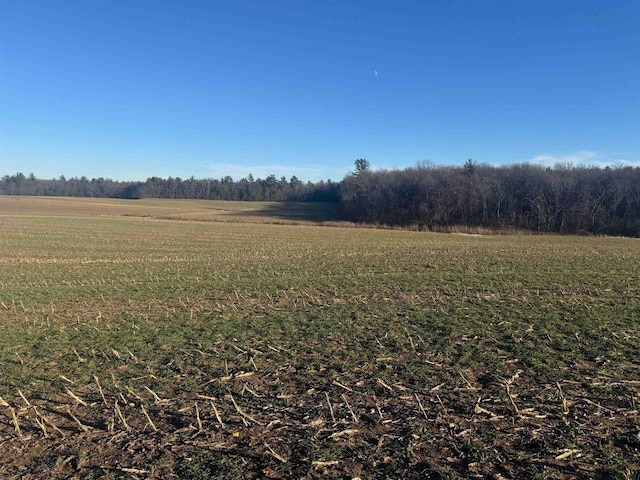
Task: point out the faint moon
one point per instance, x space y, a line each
375 73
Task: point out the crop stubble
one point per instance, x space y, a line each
136 347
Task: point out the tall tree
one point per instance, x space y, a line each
361 166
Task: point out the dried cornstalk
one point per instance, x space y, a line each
511 398
198 417
146 414
42 427
437 387
66 379
338 384
507 387
215 411
567 453
349 431
76 398
155 396
353 415
133 470
330 407
95 378
46 420
83 427
242 413
15 421
275 454
121 416
320 464
133 393
375 399
381 382
421 407
80 359
478 409
250 391
565 404
465 380
24 398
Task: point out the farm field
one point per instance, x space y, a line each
160 345
193 210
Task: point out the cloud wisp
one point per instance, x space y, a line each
583 158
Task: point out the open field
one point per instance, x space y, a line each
193 210
141 347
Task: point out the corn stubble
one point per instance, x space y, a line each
145 348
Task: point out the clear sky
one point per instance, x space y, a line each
131 89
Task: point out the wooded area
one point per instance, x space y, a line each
246 189
524 196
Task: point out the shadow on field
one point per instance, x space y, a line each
296 211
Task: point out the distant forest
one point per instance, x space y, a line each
564 198
247 189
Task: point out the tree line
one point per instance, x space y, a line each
246 189
563 198
523 196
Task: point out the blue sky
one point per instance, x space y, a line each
132 89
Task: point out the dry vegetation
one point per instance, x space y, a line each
193 210
151 348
